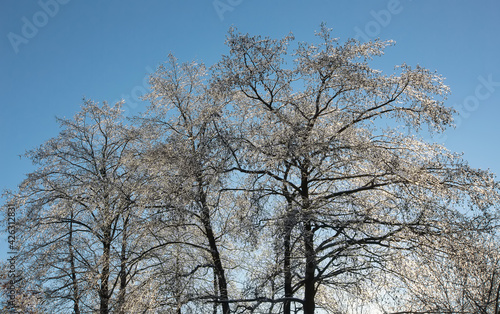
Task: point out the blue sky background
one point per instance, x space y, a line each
103 50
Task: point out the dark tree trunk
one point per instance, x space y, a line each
308 237
104 288
76 293
287 275
214 251
123 270
309 278
287 272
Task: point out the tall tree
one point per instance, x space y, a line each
189 158
75 210
354 188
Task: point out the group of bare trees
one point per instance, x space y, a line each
276 181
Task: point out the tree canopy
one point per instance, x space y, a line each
279 180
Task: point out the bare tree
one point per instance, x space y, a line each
76 210
188 158
354 189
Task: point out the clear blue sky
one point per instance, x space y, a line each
54 52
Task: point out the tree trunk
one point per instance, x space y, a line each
123 270
287 272
308 237
309 278
104 288
214 251
75 296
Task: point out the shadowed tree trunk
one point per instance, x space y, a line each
214 251
123 268
309 278
308 238
76 294
104 287
289 224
